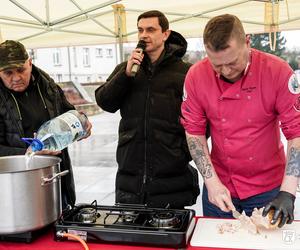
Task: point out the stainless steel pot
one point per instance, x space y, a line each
30 196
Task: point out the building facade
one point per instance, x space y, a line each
80 64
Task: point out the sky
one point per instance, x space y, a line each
292 41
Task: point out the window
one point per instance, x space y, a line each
75 56
109 53
59 77
99 52
57 57
32 54
86 57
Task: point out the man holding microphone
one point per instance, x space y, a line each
152 153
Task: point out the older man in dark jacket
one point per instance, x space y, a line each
28 98
152 152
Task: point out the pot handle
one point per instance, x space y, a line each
46 180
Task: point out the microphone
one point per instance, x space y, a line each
135 67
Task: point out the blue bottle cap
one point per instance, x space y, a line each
36 144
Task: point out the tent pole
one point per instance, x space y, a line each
69 64
120 27
121 50
83 12
93 19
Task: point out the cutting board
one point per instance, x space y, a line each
206 235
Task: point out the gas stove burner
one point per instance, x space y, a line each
129 216
164 219
87 215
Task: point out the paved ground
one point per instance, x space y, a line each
94 162
95 167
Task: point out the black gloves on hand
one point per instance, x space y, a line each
283 206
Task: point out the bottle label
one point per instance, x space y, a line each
74 124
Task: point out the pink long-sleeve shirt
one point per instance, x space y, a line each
244 120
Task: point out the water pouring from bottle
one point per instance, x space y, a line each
28 159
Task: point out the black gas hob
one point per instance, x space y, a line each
128 224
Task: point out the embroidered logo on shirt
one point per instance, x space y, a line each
249 89
293 84
297 104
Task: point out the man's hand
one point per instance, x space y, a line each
220 196
135 58
88 129
43 152
283 204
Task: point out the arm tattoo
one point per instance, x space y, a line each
199 157
293 165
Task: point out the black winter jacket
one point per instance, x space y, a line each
11 129
152 154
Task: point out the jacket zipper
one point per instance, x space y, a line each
39 90
17 106
146 141
20 116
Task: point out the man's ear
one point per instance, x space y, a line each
248 39
166 33
30 61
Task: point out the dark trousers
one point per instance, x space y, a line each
247 205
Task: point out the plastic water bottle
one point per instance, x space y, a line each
59 132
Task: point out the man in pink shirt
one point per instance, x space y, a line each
245 96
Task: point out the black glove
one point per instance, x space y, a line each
283 206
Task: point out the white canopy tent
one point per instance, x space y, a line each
53 23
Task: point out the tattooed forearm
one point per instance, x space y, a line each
198 154
293 165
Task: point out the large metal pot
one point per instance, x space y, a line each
29 193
